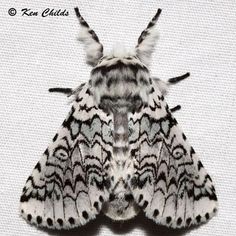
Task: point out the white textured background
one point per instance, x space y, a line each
38 53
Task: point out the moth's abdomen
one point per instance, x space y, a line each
121 204
120 133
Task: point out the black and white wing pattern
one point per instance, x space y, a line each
68 185
169 181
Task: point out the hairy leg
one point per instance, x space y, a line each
164 85
67 91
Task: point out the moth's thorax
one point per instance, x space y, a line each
120 83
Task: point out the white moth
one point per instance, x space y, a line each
120 150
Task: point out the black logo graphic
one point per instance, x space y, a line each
12 11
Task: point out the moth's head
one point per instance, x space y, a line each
140 56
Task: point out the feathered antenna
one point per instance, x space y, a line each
147 40
93 48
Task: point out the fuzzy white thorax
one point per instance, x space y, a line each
119 51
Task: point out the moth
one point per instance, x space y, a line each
120 150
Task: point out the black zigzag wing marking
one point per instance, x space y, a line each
169 181
68 185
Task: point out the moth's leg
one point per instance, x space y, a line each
177 79
67 91
176 108
164 85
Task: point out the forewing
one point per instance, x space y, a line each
169 182
68 185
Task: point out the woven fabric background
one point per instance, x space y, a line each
42 52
